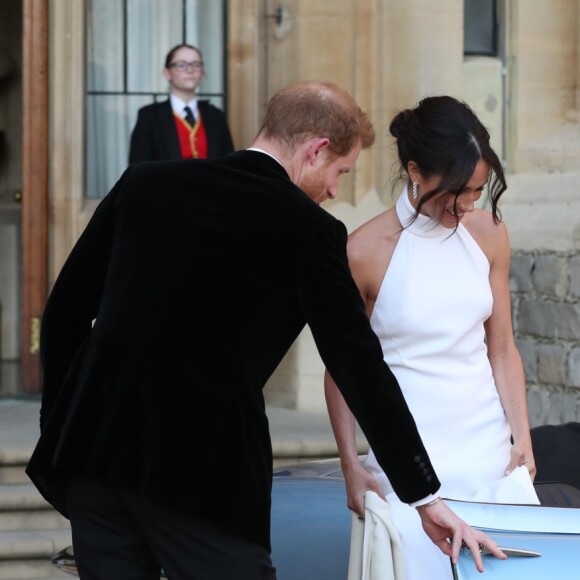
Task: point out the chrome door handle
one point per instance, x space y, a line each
514 552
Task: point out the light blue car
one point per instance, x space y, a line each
311 524
311 530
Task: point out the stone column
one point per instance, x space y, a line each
245 61
69 212
420 53
542 51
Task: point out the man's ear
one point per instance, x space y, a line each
316 148
166 73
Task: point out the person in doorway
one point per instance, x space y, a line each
433 273
165 323
182 126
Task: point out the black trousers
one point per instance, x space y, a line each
119 535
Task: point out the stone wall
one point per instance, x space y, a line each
545 291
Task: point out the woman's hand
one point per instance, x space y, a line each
521 454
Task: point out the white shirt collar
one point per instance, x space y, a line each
178 105
265 152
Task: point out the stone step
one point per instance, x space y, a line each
32 520
14 457
31 570
33 545
25 555
11 474
21 496
31 531
23 508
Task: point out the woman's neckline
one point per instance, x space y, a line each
422 225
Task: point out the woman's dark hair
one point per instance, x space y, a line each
172 52
444 137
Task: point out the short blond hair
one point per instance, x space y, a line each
310 109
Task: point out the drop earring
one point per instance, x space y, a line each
415 190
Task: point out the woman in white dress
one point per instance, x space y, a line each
434 274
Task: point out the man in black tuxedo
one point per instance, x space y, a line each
183 126
186 289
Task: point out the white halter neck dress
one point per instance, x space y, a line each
429 315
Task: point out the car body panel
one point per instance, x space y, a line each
559 558
552 532
310 529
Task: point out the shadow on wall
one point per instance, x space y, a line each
7 68
7 65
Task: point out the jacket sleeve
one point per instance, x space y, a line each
73 303
218 133
227 145
141 144
353 355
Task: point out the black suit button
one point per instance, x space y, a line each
418 458
425 471
421 465
428 478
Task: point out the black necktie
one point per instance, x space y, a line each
189 116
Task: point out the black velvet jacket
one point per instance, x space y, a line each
199 276
154 137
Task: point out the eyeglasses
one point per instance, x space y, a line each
184 65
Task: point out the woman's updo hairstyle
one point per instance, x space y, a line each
444 137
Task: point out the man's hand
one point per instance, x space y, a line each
442 525
358 481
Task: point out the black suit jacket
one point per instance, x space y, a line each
200 275
155 138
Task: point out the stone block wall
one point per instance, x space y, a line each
545 293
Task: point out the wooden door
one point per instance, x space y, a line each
34 185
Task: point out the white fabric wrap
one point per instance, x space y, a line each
375 546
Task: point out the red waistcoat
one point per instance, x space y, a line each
192 140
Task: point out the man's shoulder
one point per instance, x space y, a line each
256 178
